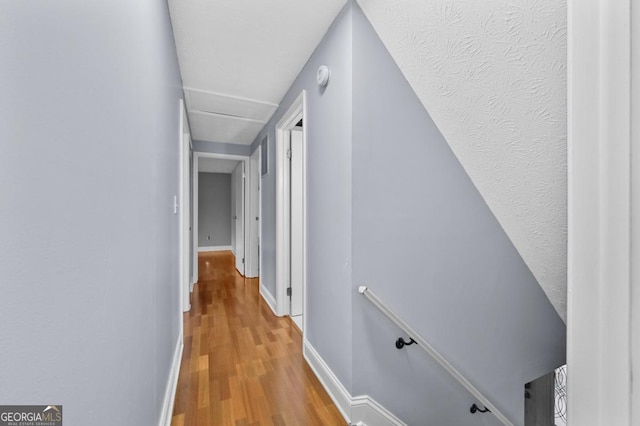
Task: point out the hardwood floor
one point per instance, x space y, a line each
241 364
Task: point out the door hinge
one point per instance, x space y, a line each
243 260
289 291
289 154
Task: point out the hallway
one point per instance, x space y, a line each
241 364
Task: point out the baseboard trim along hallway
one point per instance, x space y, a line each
266 295
242 365
172 384
360 410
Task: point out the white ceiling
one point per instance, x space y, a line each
238 59
216 165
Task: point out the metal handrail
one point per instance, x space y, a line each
366 292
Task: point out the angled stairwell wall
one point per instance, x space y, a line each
492 75
425 240
391 206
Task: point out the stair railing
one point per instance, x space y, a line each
422 343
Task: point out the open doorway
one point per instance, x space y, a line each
221 234
290 213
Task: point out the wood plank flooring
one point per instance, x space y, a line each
241 364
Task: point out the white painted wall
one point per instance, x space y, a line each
492 75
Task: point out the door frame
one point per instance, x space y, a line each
603 218
241 218
252 268
196 157
182 207
296 111
296 225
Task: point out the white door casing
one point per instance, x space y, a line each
183 207
196 156
603 258
283 257
194 220
296 221
234 185
252 263
238 195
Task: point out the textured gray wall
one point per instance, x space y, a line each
214 209
329 198
89 312
428 245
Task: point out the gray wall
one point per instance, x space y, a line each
89 312
390 206
428 245
329 198
214 209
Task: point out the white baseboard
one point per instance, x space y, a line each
366 411
330 382
361 410
214 248
172 383
266 295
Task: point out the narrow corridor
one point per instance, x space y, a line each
241 364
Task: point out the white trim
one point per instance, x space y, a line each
194 215
288 121
361 410
260 239
182 210
246 235
268 297
304 213
172 384
367 411
599 333
253 197
214 248
336 390
297 321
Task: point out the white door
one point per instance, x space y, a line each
238 217
296 223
